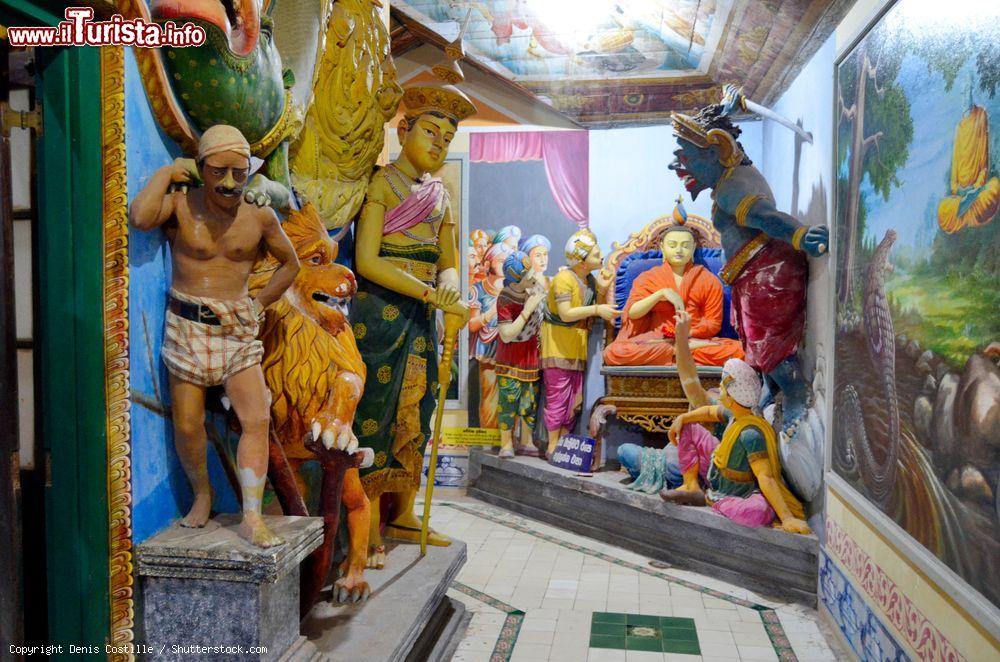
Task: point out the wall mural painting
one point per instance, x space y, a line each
552 40
917 383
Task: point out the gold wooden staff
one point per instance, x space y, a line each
452 325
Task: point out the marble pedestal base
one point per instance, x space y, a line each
208 592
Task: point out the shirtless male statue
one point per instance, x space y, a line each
212 323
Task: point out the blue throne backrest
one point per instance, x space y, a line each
632 265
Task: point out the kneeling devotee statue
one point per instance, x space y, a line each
647 333
519 312
742 472
212 323
407 258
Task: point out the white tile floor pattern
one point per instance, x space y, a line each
533 569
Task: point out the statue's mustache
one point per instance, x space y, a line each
229 192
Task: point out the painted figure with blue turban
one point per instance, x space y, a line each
519 317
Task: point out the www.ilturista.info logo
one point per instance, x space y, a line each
79 29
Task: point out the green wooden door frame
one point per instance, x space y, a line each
70 350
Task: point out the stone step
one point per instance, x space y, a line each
408 616
764 560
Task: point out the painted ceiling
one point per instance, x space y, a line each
608 62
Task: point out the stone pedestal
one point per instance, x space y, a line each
408 617
209 588
765 560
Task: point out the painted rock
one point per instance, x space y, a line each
977 406
923 413
943 428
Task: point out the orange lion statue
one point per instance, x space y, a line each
316 376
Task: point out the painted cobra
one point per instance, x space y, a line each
880 476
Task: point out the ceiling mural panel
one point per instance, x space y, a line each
610 62
540 41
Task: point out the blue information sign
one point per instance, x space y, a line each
574 453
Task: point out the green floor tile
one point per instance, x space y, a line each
607 641
643 644
608 617
614 629
685 647
680 634
676 622
639 619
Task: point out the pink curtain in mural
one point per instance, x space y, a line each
567 162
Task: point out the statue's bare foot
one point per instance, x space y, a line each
254 531
376 557
200 511
684 497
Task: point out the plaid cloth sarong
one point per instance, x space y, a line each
209 354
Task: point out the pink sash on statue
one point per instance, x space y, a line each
419 206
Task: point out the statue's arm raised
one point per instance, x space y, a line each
687 370
281 248
154 204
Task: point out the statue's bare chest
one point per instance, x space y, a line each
204 237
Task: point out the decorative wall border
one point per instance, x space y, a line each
882 591
116 366
866 634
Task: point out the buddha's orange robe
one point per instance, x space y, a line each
649 339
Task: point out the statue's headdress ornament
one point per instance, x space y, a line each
445 99
579 245
694 131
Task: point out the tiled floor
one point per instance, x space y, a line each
533 591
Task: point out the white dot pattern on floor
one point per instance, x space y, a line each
532 590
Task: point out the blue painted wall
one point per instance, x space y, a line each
160 490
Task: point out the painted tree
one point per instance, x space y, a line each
875 129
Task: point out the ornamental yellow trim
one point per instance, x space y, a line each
360 330
369 427
384 374
390 312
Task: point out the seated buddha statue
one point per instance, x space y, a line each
647 333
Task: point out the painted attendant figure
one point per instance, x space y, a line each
519 312
407 259
568 311
212 323
483 327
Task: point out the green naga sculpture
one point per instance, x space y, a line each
235 77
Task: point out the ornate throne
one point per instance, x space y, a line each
650 396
